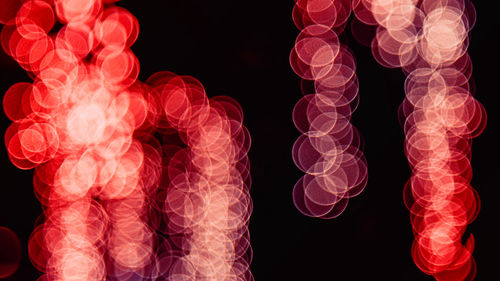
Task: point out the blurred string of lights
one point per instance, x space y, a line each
137 181
428 40
329 148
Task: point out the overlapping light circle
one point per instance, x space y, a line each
138 181
328 151
10 256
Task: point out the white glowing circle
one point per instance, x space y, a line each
86 124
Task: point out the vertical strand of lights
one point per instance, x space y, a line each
328 151
119 203
206 182
74 124
428 39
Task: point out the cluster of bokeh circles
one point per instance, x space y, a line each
329 149
207 205
150 181
428 39
138 181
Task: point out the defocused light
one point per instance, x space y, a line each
10 256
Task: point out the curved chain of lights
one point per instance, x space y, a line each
428 39
137 180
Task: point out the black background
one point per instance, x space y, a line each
240 49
